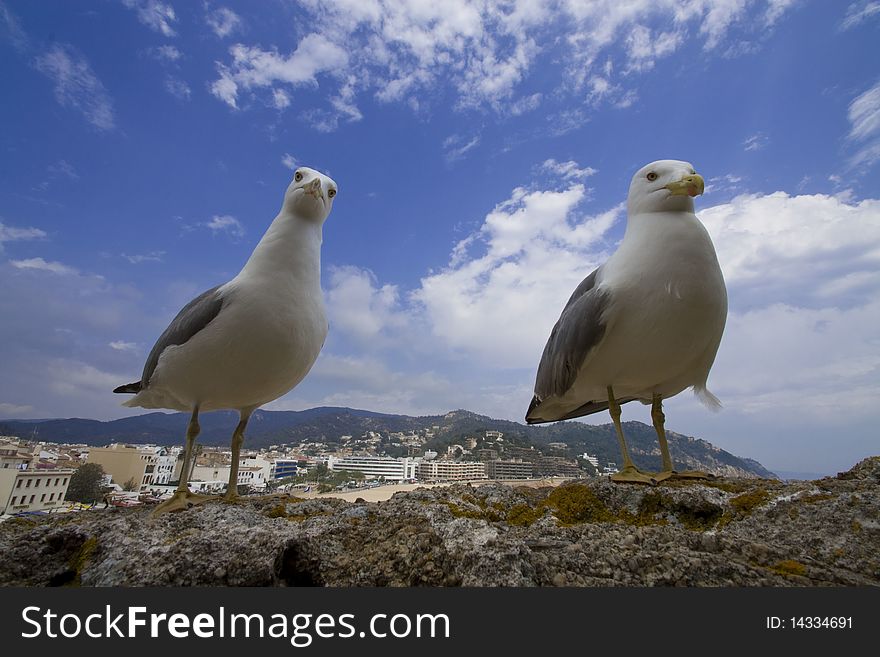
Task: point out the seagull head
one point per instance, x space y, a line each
664 186
310 194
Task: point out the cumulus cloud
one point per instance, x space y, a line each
76 84
779 248
395 50
254 68
360 307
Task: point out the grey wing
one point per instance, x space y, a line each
579 329
192 318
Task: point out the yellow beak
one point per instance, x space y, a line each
692 185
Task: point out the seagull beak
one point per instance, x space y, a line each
314 188
692 185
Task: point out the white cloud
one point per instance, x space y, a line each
76 85
864 118
361 308
177 88
43 265
859 12
516 272
456 147
63 168
289 161
120 345
223 22
756 142
14 234
11 29
367 382
152 256
225 224
280 99
165 53
155 14
569 170
788 249
14 410
254 68
398 49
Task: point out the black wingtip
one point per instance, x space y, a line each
130 388
534 420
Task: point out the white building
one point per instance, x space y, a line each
32 490
443 470
376 466
592 460
166 459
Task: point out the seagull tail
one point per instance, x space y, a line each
708 400
130 388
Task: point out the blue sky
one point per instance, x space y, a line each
482 151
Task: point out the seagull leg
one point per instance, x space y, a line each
630 472
237 440
659 419
183 498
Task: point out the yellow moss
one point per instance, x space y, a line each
790 567
747 502
278 511
856 526
80 559
576 504
692 517
818 497
522 515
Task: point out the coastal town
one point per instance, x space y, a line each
35 475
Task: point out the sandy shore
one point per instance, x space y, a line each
383 493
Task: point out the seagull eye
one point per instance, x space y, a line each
652 176
331 193
298 176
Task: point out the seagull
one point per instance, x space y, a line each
646 324
246 342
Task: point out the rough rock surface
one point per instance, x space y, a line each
729 532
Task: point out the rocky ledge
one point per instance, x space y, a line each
728 532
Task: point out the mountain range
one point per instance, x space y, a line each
327 424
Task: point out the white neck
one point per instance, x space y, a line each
291 248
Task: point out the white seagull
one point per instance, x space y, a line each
244 343
646 324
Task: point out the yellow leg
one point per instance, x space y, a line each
630 473
237 440
183 498
659 420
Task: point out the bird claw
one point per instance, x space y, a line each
180 501
632 475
